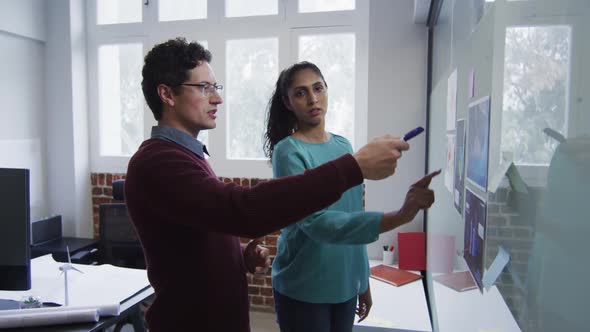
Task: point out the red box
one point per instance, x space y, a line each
411 248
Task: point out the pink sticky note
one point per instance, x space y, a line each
440 255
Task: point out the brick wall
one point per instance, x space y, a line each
102 192
511 224
259 287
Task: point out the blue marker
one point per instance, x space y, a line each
413 133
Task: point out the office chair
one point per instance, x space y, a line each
119 245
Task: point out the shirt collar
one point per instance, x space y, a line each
179 137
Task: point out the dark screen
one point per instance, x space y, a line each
14 229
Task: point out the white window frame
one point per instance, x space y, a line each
361 81
216 30
524 14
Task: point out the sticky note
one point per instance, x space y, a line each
492 274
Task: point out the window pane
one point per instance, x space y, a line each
120 99
310 6
176 10
116 11
252 69
536 90
237 8
334 54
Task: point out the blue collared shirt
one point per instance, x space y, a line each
179 137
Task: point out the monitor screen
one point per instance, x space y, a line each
15 273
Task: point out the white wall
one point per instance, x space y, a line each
79 113
22 86
25 18
398 51
44 111
67 126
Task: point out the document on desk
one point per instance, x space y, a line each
392 275
103 287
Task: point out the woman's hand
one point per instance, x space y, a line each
365 304
418 197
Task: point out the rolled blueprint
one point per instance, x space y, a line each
103 310
46 316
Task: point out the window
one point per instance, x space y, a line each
252 69
312 6
334 54
177 10
251 43
117 12
536 91
237 8
120 99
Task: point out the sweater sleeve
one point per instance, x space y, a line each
327 226
181 192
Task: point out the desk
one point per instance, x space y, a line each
97 286
58 247
396 309
471 310
129 308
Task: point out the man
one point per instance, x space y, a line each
189 222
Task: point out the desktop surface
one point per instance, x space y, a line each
485 311
396 309
101 286
128 307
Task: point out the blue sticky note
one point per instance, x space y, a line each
492 274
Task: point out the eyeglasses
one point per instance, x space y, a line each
207 90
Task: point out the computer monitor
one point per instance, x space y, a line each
15 229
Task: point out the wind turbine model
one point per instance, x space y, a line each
64 270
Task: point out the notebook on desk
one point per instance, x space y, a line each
459 281
392 275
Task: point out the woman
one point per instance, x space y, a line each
321 266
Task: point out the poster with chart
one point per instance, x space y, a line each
478 139
475 234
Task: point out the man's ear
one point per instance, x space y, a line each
166 94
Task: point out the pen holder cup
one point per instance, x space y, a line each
388 257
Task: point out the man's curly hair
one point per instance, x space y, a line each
168 63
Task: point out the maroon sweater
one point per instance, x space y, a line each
189 222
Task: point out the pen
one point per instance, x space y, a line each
385 248
413 133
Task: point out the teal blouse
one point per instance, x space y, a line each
323 258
